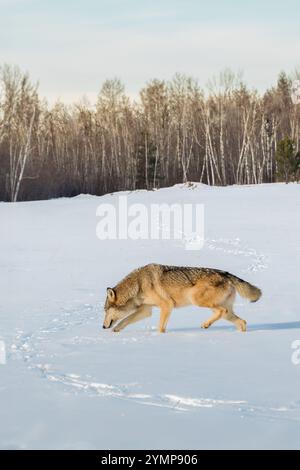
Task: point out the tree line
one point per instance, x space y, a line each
175 132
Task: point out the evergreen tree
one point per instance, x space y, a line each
285 159
297 166
284 85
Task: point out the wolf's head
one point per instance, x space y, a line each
113 311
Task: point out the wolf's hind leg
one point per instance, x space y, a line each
229 315
142 312
218 312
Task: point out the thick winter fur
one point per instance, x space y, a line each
169 287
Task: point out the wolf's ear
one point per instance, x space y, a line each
111 295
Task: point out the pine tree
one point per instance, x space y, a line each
296 169
285 159
284 88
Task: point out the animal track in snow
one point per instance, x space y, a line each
124 392
258 261
30 348
178 403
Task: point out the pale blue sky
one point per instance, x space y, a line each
71 46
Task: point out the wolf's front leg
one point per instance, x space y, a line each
165 313
142 312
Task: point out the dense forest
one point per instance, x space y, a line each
174 132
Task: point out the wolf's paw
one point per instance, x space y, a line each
116 329
205 325
242 325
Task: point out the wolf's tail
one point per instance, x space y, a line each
245 289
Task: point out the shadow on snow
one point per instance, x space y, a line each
257 327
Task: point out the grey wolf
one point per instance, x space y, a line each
169 287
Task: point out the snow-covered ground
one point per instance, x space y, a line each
68 383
